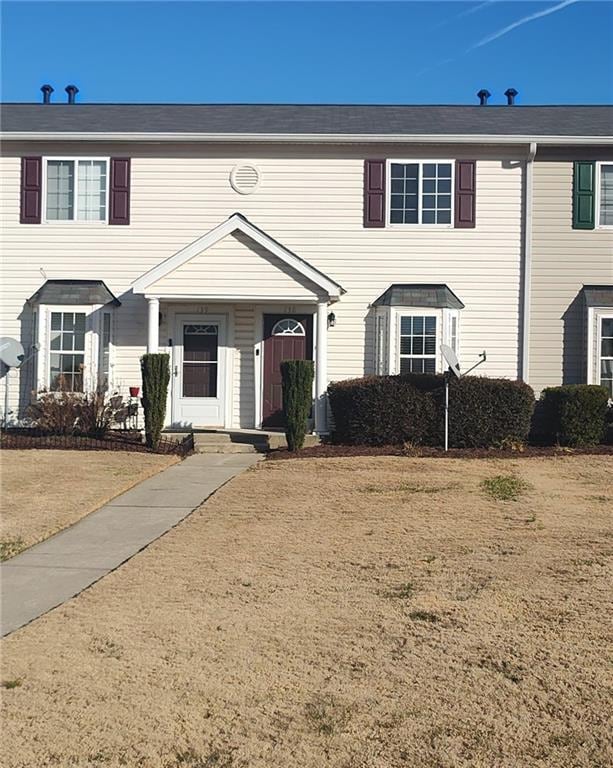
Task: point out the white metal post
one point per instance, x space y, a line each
321 368
6 397
153 328
447 411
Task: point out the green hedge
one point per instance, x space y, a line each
379 410
155 370
573 415
297 378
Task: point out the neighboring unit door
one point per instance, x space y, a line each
286 337
199 371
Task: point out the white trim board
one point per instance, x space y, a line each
305 138
236 222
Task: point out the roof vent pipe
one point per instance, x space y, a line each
72 91
510 93
483 95
47 91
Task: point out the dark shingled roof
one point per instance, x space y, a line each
419 295
74 292
596 121
598 295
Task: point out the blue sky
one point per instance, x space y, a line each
307 52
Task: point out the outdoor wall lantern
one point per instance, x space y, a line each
331 320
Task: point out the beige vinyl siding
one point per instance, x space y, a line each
235 266
310 199
563 260
243 391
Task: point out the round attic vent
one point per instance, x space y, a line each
245 179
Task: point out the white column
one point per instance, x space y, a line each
321 369
153 328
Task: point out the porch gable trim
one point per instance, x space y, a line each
237 222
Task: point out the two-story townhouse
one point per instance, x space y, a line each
234 236
570 313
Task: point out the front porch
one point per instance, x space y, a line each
228 309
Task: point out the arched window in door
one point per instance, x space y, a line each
288 327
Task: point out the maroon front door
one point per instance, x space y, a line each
286 337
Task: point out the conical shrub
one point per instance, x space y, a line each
297 378
155 370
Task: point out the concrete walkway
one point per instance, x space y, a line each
49 573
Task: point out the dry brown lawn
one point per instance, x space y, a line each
352 613
44 491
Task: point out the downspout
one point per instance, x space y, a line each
525 337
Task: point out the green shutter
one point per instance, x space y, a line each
583 196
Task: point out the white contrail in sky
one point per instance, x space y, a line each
521 22
466 12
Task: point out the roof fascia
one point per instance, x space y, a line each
301 138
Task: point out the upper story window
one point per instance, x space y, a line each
76 189
421 192
605 195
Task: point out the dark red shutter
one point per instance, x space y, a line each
465 193
119 194
31 190
374 193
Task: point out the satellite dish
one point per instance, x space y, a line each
451 359
11 352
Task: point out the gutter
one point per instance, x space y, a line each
526 286
302 138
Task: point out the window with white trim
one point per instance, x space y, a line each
604 188
66 351
418 343
76 189
288 327
453 333
420 192
105 350
605 354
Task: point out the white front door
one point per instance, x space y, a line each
199 367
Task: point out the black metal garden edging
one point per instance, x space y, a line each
25 439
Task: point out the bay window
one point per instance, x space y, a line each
411 322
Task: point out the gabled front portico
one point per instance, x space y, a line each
229 308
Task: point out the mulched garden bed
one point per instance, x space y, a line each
26 439
329 451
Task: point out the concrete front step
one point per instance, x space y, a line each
240 441
228 448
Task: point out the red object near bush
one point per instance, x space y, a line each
134 391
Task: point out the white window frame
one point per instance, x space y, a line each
600 316
388 194
597 193
75 159
100 377
87 340
419 312
299 328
